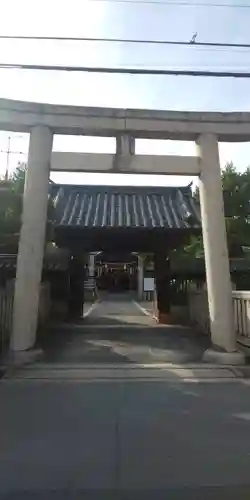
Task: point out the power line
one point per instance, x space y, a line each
125 40
175 3
9 152
129 71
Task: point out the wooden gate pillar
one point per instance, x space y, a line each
162 280
76 278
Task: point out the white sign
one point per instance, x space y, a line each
149 284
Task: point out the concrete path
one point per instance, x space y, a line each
119 310
93 421
117 331
80 437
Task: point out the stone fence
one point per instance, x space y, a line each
6 310
199 314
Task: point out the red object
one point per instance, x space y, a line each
164 318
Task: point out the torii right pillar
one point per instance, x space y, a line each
223 337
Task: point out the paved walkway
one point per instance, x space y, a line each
118 310
70 430
75 438
117 331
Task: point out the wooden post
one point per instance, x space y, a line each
162 280
76 300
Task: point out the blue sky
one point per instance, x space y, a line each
126 20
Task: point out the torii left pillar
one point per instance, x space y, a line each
32 238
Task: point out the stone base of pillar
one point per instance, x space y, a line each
213 356
16 359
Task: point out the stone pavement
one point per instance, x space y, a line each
147 437
120 309
117 331
117 409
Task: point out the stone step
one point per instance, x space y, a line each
122 373
115 327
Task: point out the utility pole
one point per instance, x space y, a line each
7 160
8 153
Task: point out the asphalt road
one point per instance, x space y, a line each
118 439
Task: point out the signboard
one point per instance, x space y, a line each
149 267
149 284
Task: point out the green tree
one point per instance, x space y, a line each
18 178
236 193
11 198
236 190
11 208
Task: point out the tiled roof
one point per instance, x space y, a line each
112 206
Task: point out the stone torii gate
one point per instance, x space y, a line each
42 121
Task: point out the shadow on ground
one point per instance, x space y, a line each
119 343
120 440
80 437
117 331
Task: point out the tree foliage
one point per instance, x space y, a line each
236 188
236 193
11 204
11 200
